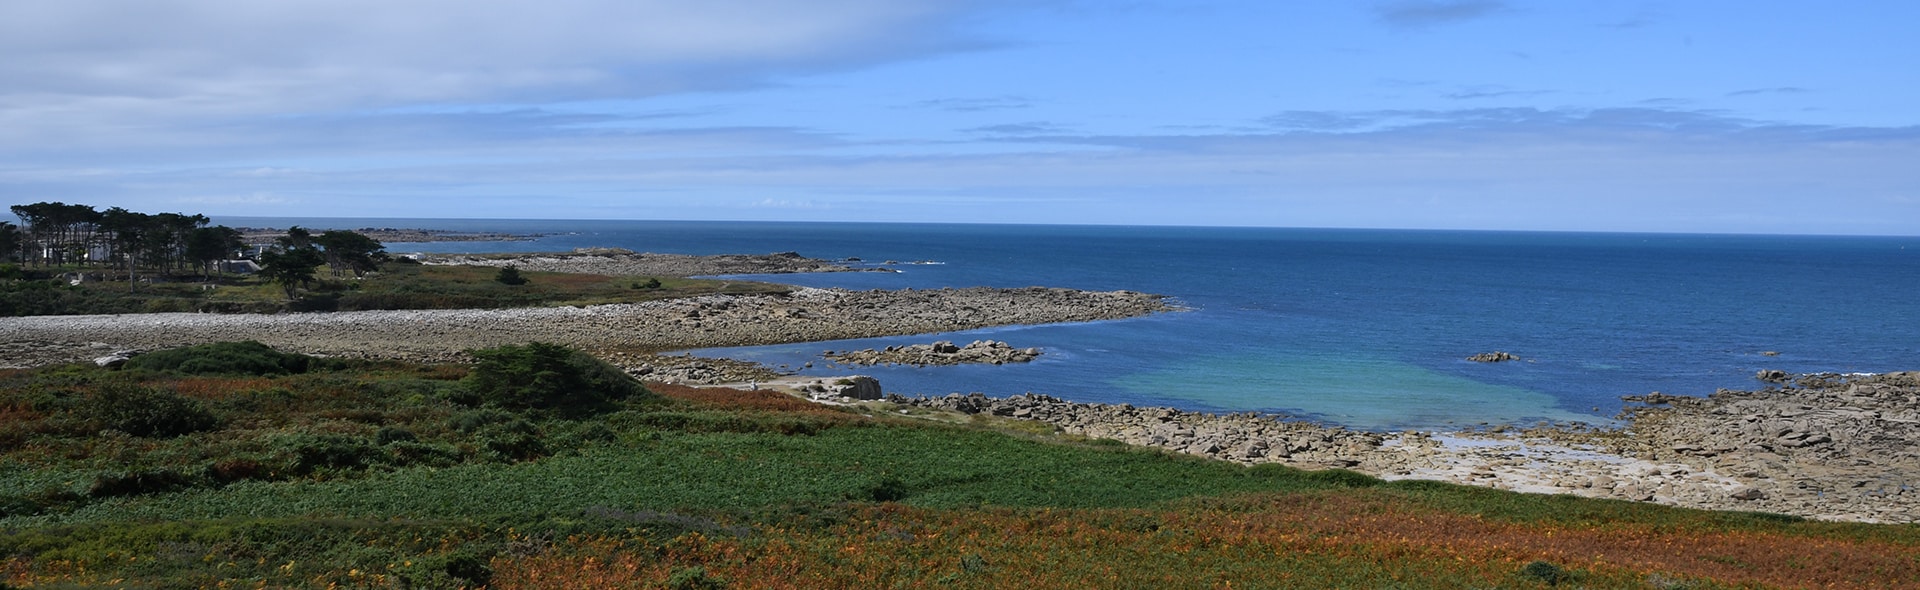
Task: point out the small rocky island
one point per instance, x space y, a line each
1494 357
942 353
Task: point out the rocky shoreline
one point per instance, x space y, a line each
632 329
1829 447
624 262
942 353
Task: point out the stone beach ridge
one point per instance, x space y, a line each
709 321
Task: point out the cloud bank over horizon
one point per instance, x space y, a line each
1407 114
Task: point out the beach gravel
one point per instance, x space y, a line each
701 322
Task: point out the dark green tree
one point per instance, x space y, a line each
509 275
290 268
208 246
351 251
165 246
10 241
126 232
60 233
297 238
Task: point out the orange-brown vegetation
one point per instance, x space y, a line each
1293 540
737 399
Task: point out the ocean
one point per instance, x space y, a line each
1364 328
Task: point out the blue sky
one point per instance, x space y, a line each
1694 116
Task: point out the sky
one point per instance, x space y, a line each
1714 116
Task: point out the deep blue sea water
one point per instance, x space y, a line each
1367 328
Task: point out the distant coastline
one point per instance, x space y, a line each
396 235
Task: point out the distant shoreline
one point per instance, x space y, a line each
260 235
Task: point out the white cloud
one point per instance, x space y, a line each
1420 13
76 69
258 198
787 204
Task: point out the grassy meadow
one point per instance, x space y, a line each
398 285
234 465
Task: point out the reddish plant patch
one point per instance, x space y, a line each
1308 540
736 399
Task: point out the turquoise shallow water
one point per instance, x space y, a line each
1367 328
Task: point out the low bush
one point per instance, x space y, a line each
510 275
228 358
140 483
146 411
304 454
545 376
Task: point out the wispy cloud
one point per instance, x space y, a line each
258 198
788 204
1424 13
1774 90
1027 128
1637 22
1480 92
969 105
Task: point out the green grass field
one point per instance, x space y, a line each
398 285
391 475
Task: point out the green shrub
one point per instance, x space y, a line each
510 276
518 440
139 483
304 454
547 376
1343 477
1543 571
45 500
235 469
145 411
886 489
695 578
227 358
410 454
390 434
474 420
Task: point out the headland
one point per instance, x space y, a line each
1829 447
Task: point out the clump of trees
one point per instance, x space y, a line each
131 242
56 234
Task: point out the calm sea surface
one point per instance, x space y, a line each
1367 328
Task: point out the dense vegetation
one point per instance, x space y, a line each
74 259
539 467
398 285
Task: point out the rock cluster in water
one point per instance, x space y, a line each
942 353
1494 357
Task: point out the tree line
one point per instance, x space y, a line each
58 234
